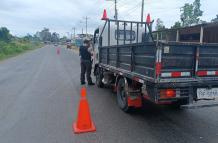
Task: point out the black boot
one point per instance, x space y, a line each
91 83
82 83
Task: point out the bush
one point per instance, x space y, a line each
2 56
5 34
15 47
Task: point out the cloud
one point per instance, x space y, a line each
22 16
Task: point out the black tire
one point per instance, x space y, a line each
99 77
175 106
122 99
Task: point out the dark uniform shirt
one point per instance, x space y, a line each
84 53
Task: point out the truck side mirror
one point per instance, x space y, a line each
95 35
94 40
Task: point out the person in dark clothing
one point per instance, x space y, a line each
86 63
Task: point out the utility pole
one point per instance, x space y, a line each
142 12
86 18
74 33
68 35
81 22
116 11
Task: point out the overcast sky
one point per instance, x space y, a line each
29 16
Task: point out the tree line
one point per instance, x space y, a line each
43 35
11 45
189 15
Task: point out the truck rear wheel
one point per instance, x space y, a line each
175 106
99 78
122 94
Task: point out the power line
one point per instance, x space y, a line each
123 4
86 18
134 8
116 11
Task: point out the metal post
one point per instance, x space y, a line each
161 36
157 37
177 36
202 35
142 12
109 33
118 32
131 33
124 38
137 39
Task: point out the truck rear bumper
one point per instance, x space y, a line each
185 93
198 83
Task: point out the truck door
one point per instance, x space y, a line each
96 46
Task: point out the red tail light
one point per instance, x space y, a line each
207 73
167 93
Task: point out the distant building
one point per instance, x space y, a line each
80 38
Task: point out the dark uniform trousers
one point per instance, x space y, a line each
86 67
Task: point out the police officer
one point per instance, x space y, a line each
86 63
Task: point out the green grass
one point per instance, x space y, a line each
16 47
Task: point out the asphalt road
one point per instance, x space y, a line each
39 94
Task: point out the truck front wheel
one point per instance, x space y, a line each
122 95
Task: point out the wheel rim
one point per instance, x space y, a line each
98 78
122 95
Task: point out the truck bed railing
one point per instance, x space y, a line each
165 62
121 24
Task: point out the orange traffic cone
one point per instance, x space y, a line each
104 15
58 51
148 19
84 122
